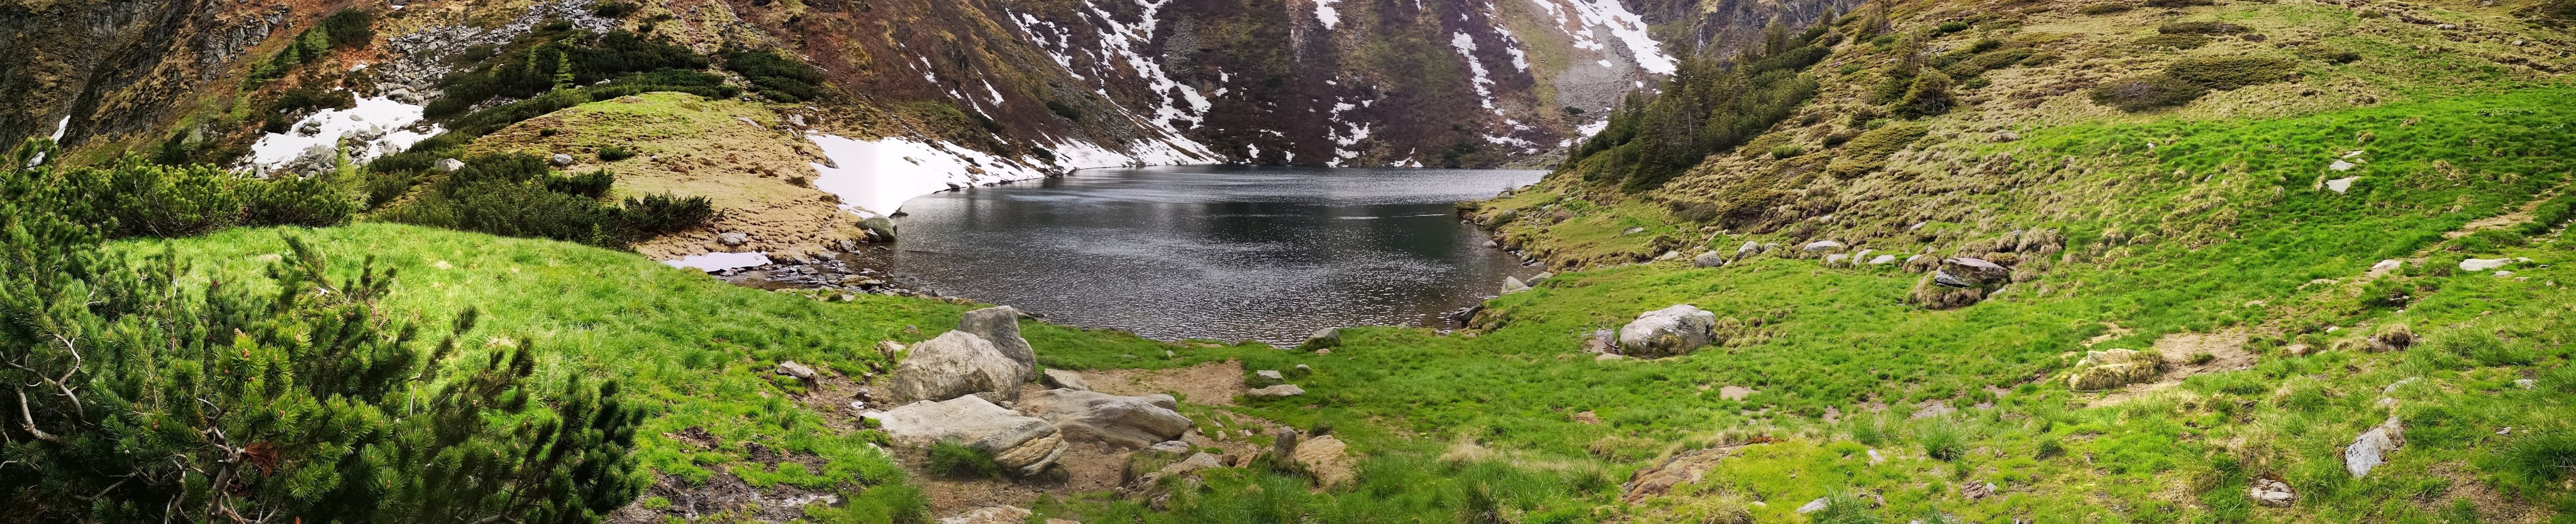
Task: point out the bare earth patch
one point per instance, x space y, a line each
2226 350
1209 384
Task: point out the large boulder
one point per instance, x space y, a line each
1326 338
955 364
2102 370
1668 331
1514 285
1709 259
1126 422
1001 326
1066 379
1026 445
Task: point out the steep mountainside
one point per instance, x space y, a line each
1451 82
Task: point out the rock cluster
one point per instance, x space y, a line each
1124 422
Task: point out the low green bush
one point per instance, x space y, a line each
2175 41
774 76
615 153
2231 72
2148 92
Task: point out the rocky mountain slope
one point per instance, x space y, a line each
1455 82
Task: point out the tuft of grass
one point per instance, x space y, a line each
1943 439
2148 92
957 460
615 153
2545 457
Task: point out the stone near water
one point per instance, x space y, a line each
1127 422
1669 331
1514 285
1024 444
1001 326
1323 339
954 364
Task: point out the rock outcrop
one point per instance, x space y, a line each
2102 370
1327 459
1023 444
2371 449
1125 422
954 364
1668 331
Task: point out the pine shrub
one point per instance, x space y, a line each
2148 92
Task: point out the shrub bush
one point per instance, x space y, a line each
2199 28
661 214
2231 72
1942 440
777 77
2148 92
136 198
615 153
350 28
2176 41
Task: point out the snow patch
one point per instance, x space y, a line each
1625 27
879 175
378 123
1324 12
1466 46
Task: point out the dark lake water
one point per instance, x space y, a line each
1226 253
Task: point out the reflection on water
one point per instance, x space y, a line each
1227 253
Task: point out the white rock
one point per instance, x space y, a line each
1282 390
2271 493
2484 264
2371 448
2340 165
1823 245
2341 185
1669 331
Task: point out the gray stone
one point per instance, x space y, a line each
1975 270
1513 285
1750 248
1024 444
732 238
1065 379
1323 339
450 165
1882 260
2484 264
2340 165
2341 185
1001 326
1823 245
1668 331
2271 493
2372 448
1282 390
561 159
955 364
1128 422
1269 375
2526 383
1709 259
990 515
882 228
793 369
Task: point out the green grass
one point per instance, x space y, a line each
697 351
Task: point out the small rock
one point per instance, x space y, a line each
1514 285
2272 493
2501 274
1631 231
990 515
1277 391
1270 375
2371 448
1813 506
1323 339
1978 490
1835 259
730 239
1542 276
793 369
1823 245
1749 249
561 159
1065 379
2340 165
1709 259
450 165
1882 260
2007 136
2341 185
1605 357
2484 264
2385 266
2526 383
